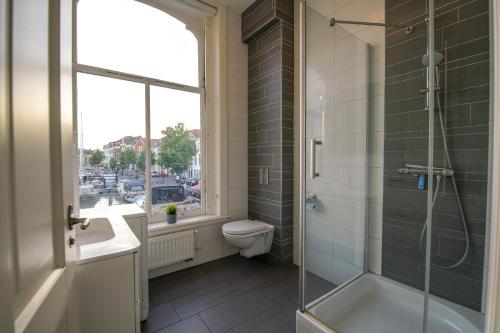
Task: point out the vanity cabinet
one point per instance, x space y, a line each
108 294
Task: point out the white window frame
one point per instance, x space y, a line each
148 82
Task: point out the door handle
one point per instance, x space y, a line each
314 143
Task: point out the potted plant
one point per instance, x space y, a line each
171 211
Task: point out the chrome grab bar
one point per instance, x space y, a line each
314 143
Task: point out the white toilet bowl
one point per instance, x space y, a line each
251 237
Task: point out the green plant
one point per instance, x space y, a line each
171 209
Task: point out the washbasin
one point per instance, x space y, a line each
107 236
99 230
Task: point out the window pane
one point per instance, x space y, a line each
176 144
111 134
132 37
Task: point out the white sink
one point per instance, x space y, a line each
99 230
107 235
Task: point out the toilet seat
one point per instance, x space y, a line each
245 228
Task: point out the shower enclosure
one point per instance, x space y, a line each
395 161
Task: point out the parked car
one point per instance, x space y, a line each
130 189
167 193
155 174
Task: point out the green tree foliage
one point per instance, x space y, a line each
113 163
177 149
141 161
127 158
96 157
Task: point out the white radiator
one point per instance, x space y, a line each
170 248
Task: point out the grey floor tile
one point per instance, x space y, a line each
230 295
291 294
235 269
160 315
230 313
278 319
260 278
190 325
170 289
276 289
316 287
167 278
203 299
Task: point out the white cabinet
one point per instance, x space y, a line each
107 292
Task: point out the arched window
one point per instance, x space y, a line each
140 83
132 37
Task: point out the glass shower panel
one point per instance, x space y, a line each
462 162
336 134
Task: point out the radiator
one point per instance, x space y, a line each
170 248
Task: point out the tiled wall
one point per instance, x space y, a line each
237 119
325 48
462 35
270 128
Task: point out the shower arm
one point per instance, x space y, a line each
408 29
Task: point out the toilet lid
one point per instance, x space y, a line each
243 227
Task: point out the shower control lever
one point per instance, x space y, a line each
314 143
417 170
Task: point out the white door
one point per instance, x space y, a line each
37 270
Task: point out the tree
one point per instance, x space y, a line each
141 161
112 163
96 157
177 149
127 158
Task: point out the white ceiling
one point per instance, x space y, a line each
237 5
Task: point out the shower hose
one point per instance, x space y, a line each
455 188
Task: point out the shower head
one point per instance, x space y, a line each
438 58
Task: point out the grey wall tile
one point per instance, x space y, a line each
270 125
462 35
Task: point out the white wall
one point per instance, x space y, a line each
334 61
237 118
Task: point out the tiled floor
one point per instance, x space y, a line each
230 295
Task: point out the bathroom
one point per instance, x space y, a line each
249 166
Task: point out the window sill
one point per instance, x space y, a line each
160 228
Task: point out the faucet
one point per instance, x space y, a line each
72 219
84 222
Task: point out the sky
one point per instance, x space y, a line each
132 37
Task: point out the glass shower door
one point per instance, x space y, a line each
336 152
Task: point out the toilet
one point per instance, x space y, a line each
251 237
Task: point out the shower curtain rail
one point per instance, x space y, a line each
408 29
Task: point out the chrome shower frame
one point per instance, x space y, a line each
302 150
431 89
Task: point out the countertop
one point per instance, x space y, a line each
123 242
